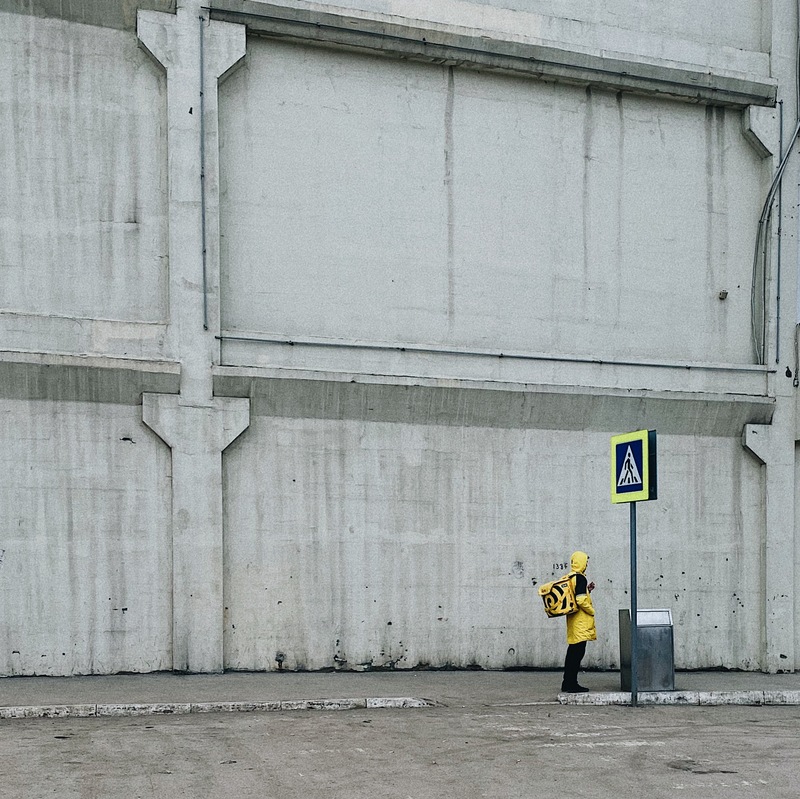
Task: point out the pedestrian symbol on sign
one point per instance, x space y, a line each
633 467
629 473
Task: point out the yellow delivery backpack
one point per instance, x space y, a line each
559 597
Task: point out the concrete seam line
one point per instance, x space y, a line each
182 708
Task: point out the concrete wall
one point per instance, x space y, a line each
86 568
357 543
468 210
83 224
319 370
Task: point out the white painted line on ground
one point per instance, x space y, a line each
527 704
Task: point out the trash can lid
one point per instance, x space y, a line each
654 617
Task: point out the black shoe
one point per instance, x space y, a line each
573 689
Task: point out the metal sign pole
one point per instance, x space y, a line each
634 616
634 478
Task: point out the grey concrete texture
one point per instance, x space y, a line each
491 738
502 406
35 376
93 511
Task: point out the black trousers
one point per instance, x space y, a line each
572 664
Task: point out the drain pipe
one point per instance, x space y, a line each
780 232
203 171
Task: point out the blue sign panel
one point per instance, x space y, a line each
630 466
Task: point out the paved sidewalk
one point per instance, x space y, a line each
160 693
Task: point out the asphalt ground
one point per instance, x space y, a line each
489 734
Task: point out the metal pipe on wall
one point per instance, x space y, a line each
518 356
780 232
203 170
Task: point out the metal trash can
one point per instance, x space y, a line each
656 650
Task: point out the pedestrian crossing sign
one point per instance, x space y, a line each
633 467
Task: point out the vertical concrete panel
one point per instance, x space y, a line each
83 199
353 544
464 209
700 548
86 565
608 217
331 194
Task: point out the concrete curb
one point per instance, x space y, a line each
699 698
183 708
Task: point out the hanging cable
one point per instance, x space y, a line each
758 298
758 289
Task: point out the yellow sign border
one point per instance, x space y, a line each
631 496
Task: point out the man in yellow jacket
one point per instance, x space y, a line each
580 624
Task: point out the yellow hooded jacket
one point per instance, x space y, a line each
580 625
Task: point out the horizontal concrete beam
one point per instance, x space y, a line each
484 404
313 356
88 379
383 398
82 336
462 47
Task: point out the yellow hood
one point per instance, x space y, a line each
578 562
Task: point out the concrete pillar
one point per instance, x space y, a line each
773 445
197 436
197 427
180 43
